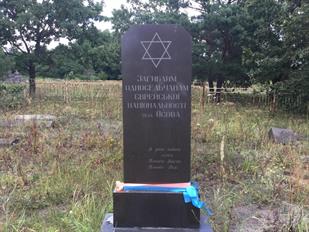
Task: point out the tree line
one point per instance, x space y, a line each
241 42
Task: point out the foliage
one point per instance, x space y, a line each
296 90
150 12
95 55
242 42
221 30
6 64
29 26
280 43
11 95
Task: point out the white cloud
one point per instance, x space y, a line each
109 6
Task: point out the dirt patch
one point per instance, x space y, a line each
255 218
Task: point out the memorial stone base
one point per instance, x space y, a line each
108 226
156 67
154 209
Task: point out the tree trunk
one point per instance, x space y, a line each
32 86
218 89
211 85
203 96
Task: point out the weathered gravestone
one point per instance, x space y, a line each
42 120
8 142
282 135
156 69
14 78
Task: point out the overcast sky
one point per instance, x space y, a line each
108 7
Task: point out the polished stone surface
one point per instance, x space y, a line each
156 71
139 208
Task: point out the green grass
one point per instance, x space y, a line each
62 179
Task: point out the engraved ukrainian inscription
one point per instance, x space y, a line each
159 93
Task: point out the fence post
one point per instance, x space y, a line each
203 96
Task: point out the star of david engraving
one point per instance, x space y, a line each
156 59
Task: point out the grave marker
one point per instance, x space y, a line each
156 71
156 67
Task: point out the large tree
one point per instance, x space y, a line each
94 55
281 44
30 25
221 32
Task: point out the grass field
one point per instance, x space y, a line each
62 179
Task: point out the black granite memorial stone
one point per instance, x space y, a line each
154 209
156 69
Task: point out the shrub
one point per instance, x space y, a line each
84 77
102 76
292 94
11 95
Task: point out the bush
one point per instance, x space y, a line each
102 76
11 95
93 77
293 94
6 64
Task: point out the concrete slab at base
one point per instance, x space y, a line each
108 226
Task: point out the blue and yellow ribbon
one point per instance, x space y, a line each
190 193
